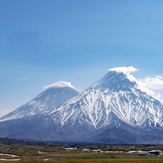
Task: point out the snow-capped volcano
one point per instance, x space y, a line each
114 95
115 100
53 96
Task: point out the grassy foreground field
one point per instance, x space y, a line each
89 161
40 152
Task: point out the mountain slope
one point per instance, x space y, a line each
113 101
49 99
114 94
117 135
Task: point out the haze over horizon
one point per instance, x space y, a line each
42 42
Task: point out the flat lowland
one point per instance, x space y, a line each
41 152
88 161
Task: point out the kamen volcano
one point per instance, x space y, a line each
53 96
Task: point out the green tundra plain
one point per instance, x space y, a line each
27 151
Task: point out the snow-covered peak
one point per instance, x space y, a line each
122 75
112 97
113 80
126 71
46 101
59 84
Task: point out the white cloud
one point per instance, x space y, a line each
149 84
149 91
59 84
153 83
125 70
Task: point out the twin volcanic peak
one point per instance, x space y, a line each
52 97
113 101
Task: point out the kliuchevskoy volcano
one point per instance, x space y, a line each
113 104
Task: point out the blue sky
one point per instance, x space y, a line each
45 41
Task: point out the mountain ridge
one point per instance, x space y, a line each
124 99
112 101
49 99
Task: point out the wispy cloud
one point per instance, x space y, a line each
22 79
125 70
59 84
